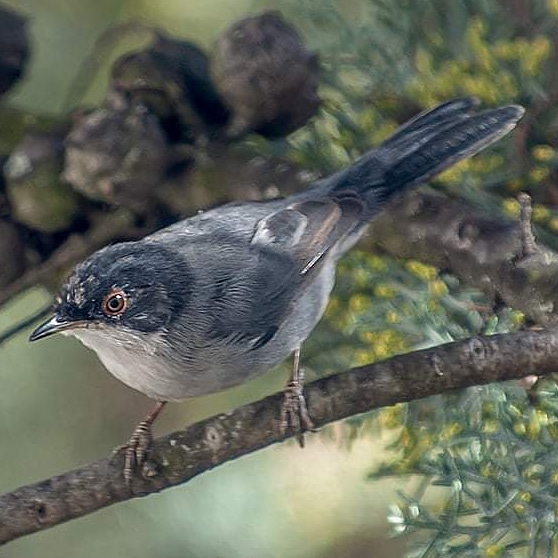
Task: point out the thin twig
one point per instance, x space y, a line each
527 238
24 324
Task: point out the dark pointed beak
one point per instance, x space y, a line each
54 325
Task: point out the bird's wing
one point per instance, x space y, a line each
252 301
251 295
306 231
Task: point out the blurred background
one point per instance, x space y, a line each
382 62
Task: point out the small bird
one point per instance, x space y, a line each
219 298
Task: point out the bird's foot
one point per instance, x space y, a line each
136 450
294 412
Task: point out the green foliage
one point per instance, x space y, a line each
489 453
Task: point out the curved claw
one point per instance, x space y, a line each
136 450
294 413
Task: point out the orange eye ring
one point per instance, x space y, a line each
115 303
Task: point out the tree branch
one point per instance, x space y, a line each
182 455
495 255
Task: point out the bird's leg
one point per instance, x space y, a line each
139 444
294 413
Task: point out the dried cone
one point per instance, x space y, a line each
117 154
172 78
266 75
37 196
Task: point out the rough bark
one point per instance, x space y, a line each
182 455
489 254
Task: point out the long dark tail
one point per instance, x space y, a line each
422 148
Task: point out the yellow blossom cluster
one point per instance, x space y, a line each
489 70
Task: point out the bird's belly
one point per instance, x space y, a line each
149 372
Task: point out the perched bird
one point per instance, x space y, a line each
217 299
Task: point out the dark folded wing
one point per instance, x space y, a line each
306 231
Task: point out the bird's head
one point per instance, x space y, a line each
138 287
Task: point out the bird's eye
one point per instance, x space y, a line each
115 303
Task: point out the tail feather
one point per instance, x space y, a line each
422 148
446 113
451 145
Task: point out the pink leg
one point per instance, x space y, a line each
139 444
294 413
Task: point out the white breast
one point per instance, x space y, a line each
127 358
